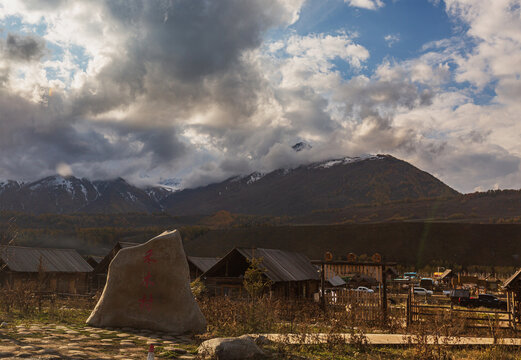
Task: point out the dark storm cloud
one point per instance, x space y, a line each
24 48
41 138
186 56
191 39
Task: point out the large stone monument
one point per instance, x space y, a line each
148 288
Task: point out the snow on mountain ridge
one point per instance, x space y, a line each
255 176
171 185
55 181
346 160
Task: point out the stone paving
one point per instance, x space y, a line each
51 341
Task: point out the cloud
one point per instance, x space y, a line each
203 91
25 48
63 169
391 39
365 4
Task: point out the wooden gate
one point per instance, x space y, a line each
363 306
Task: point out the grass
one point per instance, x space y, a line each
227 317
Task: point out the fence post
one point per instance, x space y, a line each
384 295
322 286
408 309
509 310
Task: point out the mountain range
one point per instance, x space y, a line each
330 184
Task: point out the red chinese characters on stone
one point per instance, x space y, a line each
145 303
147 281
148 257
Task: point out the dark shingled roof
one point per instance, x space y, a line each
283 265
203 263
27 259
97 259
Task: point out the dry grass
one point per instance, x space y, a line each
25 304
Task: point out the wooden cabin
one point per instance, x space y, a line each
291 274
93 260
200 265
512 287
44 270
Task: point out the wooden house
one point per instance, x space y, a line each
512 287
93 260
199 265
46 270
291 274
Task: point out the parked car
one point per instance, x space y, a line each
364 289
462 298
427 283
491 301
422 291
410 275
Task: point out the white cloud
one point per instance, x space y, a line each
495 26
365 4
308 60
391 39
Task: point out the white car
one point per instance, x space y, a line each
365 289
421 291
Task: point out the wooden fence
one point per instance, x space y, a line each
363 306
475 318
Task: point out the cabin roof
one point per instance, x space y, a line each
281 265
29 259
203 263
511 280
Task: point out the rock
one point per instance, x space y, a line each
148 288
230 349
259 339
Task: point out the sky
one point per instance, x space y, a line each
202 90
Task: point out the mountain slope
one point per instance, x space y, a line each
64 195
325 185
320 186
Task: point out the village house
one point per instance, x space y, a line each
46 270
93 260
199 265
291 274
